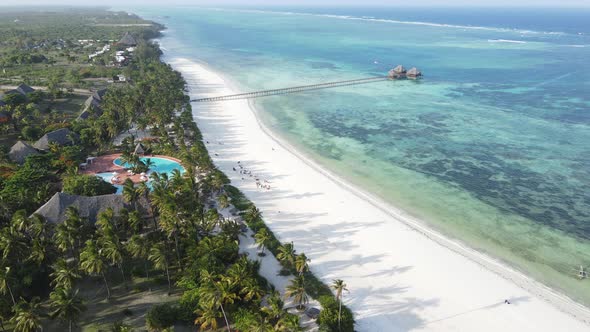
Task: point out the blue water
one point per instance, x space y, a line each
160 165
491 147
106 177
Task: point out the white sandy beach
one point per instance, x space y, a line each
401 275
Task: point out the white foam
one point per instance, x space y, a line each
382 20
507 41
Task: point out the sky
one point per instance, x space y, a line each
405 3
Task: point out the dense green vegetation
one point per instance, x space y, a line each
86 185
171 235
39 46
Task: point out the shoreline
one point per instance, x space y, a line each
492 265
559 300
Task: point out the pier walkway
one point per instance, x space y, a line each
265 93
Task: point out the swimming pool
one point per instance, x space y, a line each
106 177
160 165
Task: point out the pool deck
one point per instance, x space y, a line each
106 164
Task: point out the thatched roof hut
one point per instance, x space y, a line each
24 89
54 209
414 73
139 149
92 102
60 137
127 40
397 72
20 151
399 69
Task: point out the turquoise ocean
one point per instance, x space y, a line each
491 147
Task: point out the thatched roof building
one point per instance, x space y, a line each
139 149
54 210
11 92
127 40
414 73
20 151
92 102
24 89
60 137
398 72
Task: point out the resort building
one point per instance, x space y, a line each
60 137
139 149
20 151
92 103
414 73
397 72
54 210
24 89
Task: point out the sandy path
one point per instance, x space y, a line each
401 275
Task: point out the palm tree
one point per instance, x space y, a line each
39 251
66 305
159 256
139 248
5 281
63 275
339 286
130 195
114 253
207 317
231 228
252 214
27 317
12 243
296 290
92 263
251 290
274 310
219 293
262 239
260 324
135 222
286 254
301 263
105 222
288 323
223 201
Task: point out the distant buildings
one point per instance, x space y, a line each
400 72
104 49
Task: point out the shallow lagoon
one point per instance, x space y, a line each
491 147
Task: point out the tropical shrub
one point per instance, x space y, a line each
160 317
328 318
87 185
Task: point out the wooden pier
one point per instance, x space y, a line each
295 89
